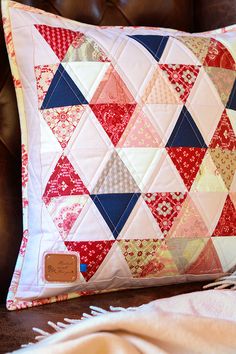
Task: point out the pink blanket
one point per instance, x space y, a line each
201 322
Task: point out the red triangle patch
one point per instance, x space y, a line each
113 118
182 77
58 38
218 56
227 223
224 136
187 162
91 253
207 262
64 181
165 207
112 89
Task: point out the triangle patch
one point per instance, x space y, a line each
139 132
227 222
91 216
224 136
141 224
163 117
89 172
58 38
225 162
165 177
159 90
189 222
186 132
182 77
165 207
153 43
115 264
92 253
185 250
148 258
85 49
207 180
65 211
112 89
44 75
115 178
115 208
226 250
210 206
207 262
141 163
198 45
63 121
218 56
113 118
64 181
223 80
187 161
86 75
62 91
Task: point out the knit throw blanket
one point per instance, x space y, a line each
200 322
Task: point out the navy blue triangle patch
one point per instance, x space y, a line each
154 44
62 91
115 208
186 133
231 104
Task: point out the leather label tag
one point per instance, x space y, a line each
59 267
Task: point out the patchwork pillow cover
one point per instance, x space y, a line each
128 153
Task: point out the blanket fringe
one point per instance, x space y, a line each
59 326
226 282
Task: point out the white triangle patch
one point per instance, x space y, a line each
210 206
89 134
205 106
163 117
97 225
176 52
43 53
86 75
226 250
141 163
115 265
89 164
165 177
140 224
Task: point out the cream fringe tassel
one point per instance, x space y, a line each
59 326
225 282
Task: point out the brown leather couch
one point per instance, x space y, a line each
187 15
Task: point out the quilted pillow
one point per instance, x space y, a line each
128 154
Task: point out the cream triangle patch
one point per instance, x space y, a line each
208 179
141 163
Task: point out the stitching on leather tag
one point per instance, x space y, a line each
61 268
